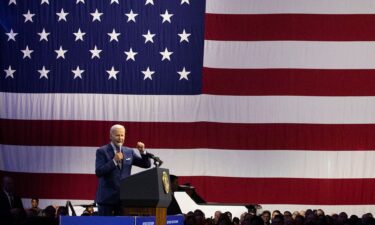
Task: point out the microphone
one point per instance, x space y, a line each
157 160
120 161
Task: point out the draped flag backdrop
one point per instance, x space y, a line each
251 101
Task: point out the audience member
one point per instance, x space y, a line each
224 219
368 221
295 214
252 209
62 211
299 220
242 217
208 221
274 213
173 207
216 217
287 213
266 217
320 212
11 207
278 219
236 221
256 220
49 212
199 217
89 211
34 210
342 218
189 219
229 214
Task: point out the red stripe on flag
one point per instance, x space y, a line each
241 190
192 135
309 27
54 186
285 190
288 82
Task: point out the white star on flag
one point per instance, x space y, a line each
43 35
112 73
166 16
114 1
184 36
148 73
131 16
11 35
149 2
79 35
95 52
60 52
62 15
148 37
82 1
28 16
130 54
77 72
166 54
114 35
27 52
44 1
9 72
12 2
185 1
183 74
43 73
96 15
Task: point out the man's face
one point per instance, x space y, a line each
266 217
34 203
90 209
274 213
8 184
118 136
229 215
217 215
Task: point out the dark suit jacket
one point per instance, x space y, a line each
5 206
110 175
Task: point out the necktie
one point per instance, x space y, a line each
119 163
11 200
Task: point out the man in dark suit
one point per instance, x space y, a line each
113 164
11 207
173 207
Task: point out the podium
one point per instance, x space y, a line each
147 194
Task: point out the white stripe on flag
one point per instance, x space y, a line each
289 54
290 6
257 163
225 109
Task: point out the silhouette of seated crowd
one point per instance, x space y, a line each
12 212
308 217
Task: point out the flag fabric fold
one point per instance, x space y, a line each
249 101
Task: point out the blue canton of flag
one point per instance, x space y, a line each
111 46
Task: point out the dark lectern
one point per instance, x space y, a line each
147 194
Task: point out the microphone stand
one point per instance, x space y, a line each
157 161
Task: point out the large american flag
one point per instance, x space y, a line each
251 101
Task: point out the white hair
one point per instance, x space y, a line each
116 126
